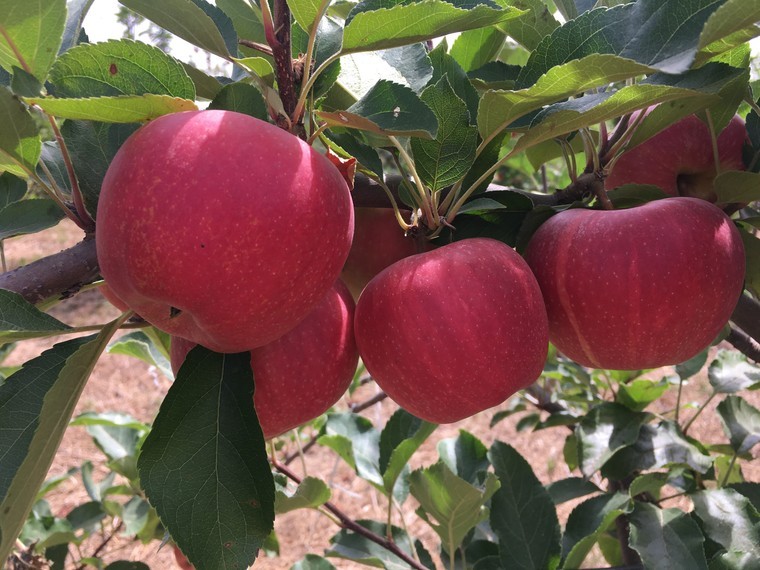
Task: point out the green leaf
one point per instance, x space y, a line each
246 18
29 216
312 562
730 17
52 158
606 429
648 483
474 48
448 157
533 26
30 34
730 372
735 186
498 109
639 393
25 84
570 488
401 437
222 22
350 545
729 519
117 442
456 505
109 419
77 10
20 143
749 490
306 11
242 98
35 406
12 189
184 19
327 44
523 515
587 522
119 67
371 25
561 118
626 31
465 455
656 447
92 146
444 64
348 145
139 345
20 319
86 516
357 442
741 422
206 445
206 87
666 538
687 369
123 109
310 494
752 257
388 109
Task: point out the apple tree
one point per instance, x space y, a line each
536 202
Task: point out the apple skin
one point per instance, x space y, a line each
181 559
453 331
679 159
378 242
111 297
639 288
221 228
300 375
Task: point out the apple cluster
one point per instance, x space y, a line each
244 255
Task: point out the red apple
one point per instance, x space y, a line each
680 158
304 372
378 242
453 331
182 560
221 228
111 297
638 288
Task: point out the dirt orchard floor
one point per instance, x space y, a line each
124 384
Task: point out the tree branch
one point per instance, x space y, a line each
59 275
348 523
744 343
746 316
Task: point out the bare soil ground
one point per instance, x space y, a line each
127 385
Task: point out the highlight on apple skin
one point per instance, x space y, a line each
453 331
221 228
639 288
300 375
680 158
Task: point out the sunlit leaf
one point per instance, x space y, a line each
372 25
184 19
119 67
30 34
124 109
